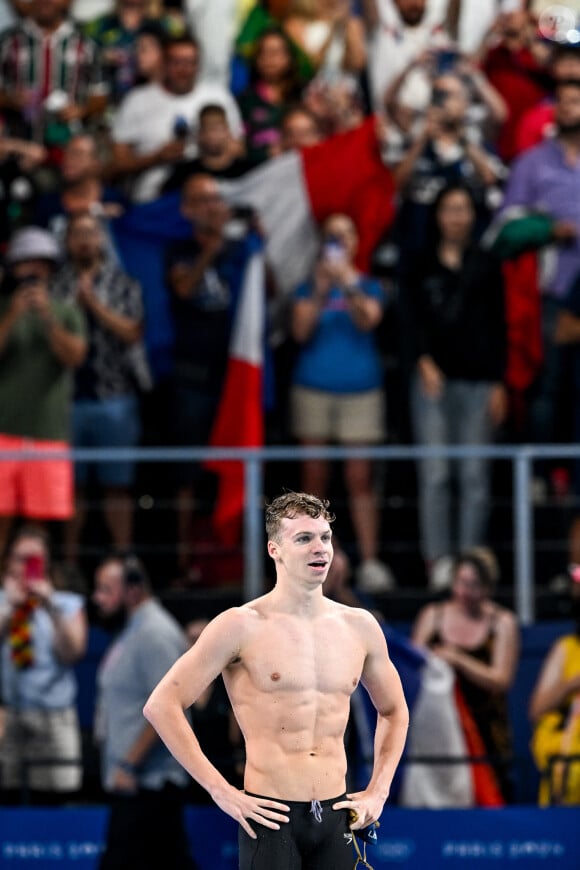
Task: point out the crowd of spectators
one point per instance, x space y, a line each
105 106
111 106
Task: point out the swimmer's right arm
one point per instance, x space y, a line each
218 645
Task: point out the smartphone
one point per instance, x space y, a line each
332 250
34 568
446 60
438 97
180 128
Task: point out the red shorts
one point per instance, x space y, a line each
41 489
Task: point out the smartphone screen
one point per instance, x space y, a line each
332 250
446 60
34 568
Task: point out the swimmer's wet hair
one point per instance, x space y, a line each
295 504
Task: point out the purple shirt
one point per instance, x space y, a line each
541 180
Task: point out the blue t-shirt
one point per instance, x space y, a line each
338 357
47 684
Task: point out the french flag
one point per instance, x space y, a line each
240 418
291 194
295 192
441 726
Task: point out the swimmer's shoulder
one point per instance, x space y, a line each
241 619
357 618
241 623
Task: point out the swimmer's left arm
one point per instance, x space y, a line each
383 684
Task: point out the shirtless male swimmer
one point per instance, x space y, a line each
291 659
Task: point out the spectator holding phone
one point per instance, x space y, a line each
400 32
445 149
218 151
41 342
43 632
337 392
516 60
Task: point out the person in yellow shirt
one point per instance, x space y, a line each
555 713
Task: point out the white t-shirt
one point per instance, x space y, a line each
86 10
215 25
394 44
146 120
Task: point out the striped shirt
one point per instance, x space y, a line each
40 64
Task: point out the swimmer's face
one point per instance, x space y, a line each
303 549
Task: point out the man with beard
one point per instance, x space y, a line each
403 30
218 151
145 783
555 712
156 124
106 406
546 179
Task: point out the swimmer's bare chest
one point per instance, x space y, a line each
315 667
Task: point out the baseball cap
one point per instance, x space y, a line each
32 243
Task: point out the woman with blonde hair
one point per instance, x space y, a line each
479 639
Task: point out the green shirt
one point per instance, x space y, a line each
35 387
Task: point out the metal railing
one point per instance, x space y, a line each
521 457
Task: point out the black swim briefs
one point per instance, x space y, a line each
316 838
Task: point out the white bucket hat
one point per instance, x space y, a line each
32 243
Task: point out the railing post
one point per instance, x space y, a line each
523 539
253 533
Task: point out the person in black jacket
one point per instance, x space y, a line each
455 297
